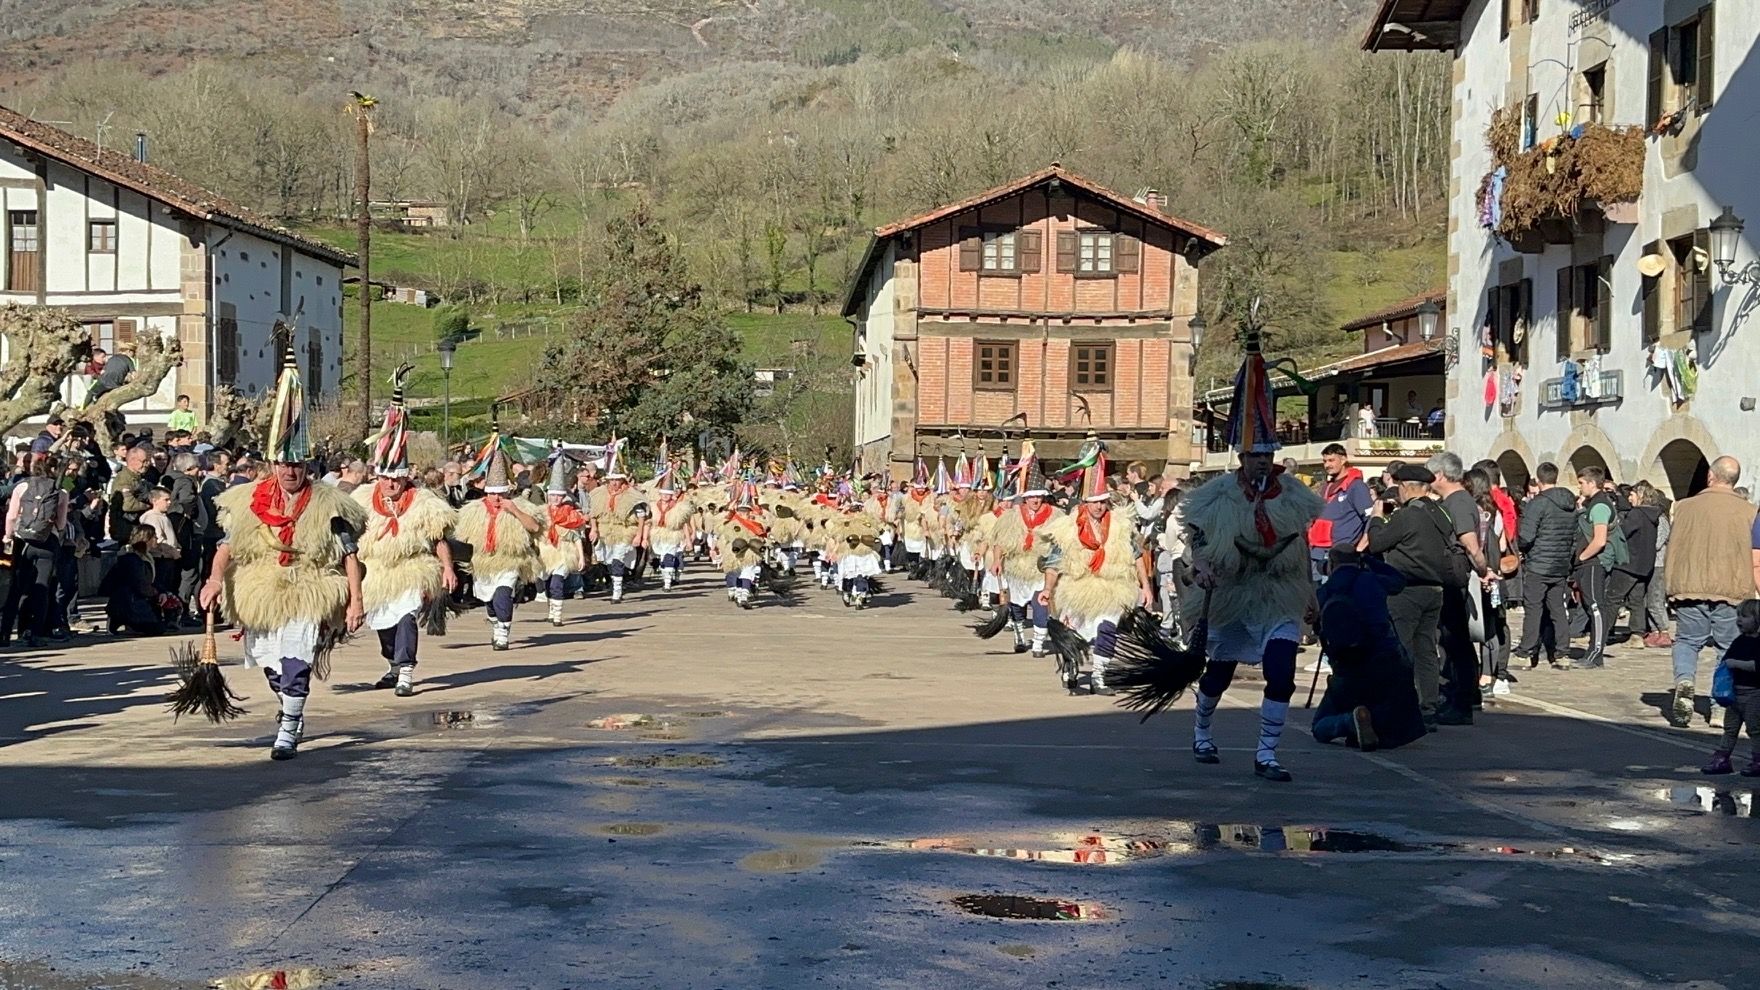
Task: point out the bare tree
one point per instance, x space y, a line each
45 346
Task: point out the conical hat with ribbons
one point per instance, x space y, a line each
289 437
391 445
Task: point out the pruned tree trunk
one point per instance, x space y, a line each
155 356
237 417
45 346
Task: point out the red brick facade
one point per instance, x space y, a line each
1051 305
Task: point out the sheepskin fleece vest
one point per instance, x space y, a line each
674 519
921 519
739 546
1082 593
1008 534
261 594
567 551
862 527
617 525
1247 588
398 561
888 514
515 549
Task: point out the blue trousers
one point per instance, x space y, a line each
501 605
294 680
398 643
1696 624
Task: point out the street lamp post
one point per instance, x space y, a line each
447 347
1726 237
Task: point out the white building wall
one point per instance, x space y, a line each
874 338
1630 436
248 275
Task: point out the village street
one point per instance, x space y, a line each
808 792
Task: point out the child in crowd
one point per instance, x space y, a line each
1743 661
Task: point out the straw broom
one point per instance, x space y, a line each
202 687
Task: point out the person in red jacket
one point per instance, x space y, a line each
1345 513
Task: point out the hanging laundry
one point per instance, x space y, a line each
1592 378
1490 390
1498 178
1568 389
1688 361
1506 389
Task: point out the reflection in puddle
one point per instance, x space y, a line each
1186 838
451 720
274 979
1740 804
618 723
667 761
1065 847
1017 907
1303 838
634 828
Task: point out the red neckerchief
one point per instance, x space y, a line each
1092 542
491 505
381 502
1334 486
1262 519
269 505
1001 507
610 501
882 498
1033 523
751 526
562 517
918 498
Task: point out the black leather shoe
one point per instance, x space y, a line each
1271 771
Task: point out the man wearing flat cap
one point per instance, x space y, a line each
1413 540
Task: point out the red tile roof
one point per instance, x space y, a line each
152 181
1405 308
1025 182
1213 238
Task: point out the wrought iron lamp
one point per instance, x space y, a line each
1726 238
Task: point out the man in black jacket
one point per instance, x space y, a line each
1413 541
1546 536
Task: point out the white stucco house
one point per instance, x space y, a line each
1612 336
131 249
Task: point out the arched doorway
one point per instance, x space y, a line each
1684 464
1514 470
1585 456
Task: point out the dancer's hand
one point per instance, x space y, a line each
1202 576
356 615
209 595
448 580
1146 598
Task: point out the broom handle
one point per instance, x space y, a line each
210 647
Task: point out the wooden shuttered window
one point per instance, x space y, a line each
226 347
1658 76
315 366
971 249
1567 311
1604 304
1127 254
1651 291
1522 321
125 332
1029 247
1706 71
1068 250
1701 276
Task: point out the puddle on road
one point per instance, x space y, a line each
474 719
634 828
553 898
1186 838
620 723
1712 800
666 761
275 979
42 976
707 714
791 860
1023 908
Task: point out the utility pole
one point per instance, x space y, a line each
361 108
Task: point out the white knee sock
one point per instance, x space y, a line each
1201 721
1271 718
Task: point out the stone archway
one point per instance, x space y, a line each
1515 459
1684 467
1675 459
1515 471
1585 456
1587 446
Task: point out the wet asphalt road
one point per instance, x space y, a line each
808 792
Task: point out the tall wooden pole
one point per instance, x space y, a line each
363 183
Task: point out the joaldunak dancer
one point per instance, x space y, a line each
1097 572
403 549
669 530
1249 547
742 534
287 571
559 544
504 552
616 524
856 549
1017 551
919 517
889 510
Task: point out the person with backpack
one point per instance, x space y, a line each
1601 547
1461 598
36 516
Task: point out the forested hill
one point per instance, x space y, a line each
564 56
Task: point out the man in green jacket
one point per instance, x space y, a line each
1710 573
